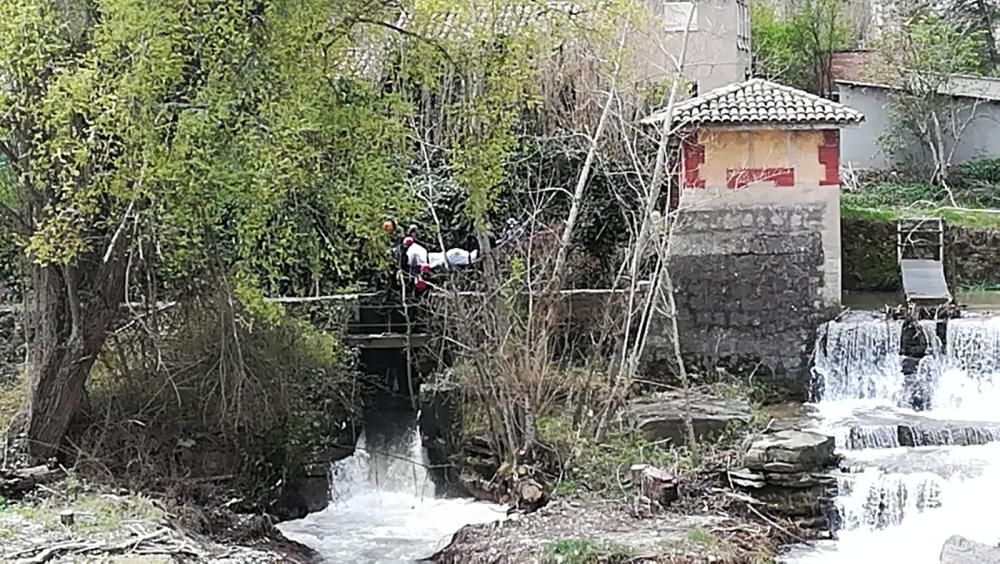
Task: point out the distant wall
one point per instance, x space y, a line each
861 148
972 256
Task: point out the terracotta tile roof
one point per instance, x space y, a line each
758 102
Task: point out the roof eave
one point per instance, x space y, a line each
811 126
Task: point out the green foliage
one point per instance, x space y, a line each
795 49
981 288
95 513
566 487
974 185
930 47
584 551
224 134
701 537
250 405
891 194
13 399
604 467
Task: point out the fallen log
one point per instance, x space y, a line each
14 484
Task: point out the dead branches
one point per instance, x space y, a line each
164 541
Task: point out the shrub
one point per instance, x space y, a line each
223 400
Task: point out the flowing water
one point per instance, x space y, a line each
383 504
900 503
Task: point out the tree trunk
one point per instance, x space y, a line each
66 320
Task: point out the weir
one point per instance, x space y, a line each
912 407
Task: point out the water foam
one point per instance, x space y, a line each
384 508
906 502
860 360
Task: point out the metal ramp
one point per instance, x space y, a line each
920 254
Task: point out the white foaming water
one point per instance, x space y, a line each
860 360
906 502
383 507
967 385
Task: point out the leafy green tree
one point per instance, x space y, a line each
162 148
156 141
796 46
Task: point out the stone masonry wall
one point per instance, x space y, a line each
749 285
869 255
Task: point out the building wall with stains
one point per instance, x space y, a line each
755 256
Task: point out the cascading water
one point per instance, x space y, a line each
860 360
383 504
911 485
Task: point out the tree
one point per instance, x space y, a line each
919 61
167 144
796 48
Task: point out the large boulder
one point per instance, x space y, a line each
661 417
791 451
960 550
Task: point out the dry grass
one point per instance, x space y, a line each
13 396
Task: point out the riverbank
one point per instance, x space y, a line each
580 530
611 512
71 521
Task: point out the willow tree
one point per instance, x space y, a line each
152 140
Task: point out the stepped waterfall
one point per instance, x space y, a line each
920 436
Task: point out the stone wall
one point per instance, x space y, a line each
869 255
749 284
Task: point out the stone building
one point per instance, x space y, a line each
755 256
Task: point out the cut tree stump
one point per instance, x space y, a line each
657 485
67 518
529 494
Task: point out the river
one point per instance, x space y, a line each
900 503
384 507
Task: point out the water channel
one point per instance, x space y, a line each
384 507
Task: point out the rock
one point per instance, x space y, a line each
798 479
636 471
960 550
661 417
744 478
799 451
658 485
781 467
784 470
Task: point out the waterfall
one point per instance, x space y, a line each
866 436
393 464
859 360
966 383
383 504
920 436
874 499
